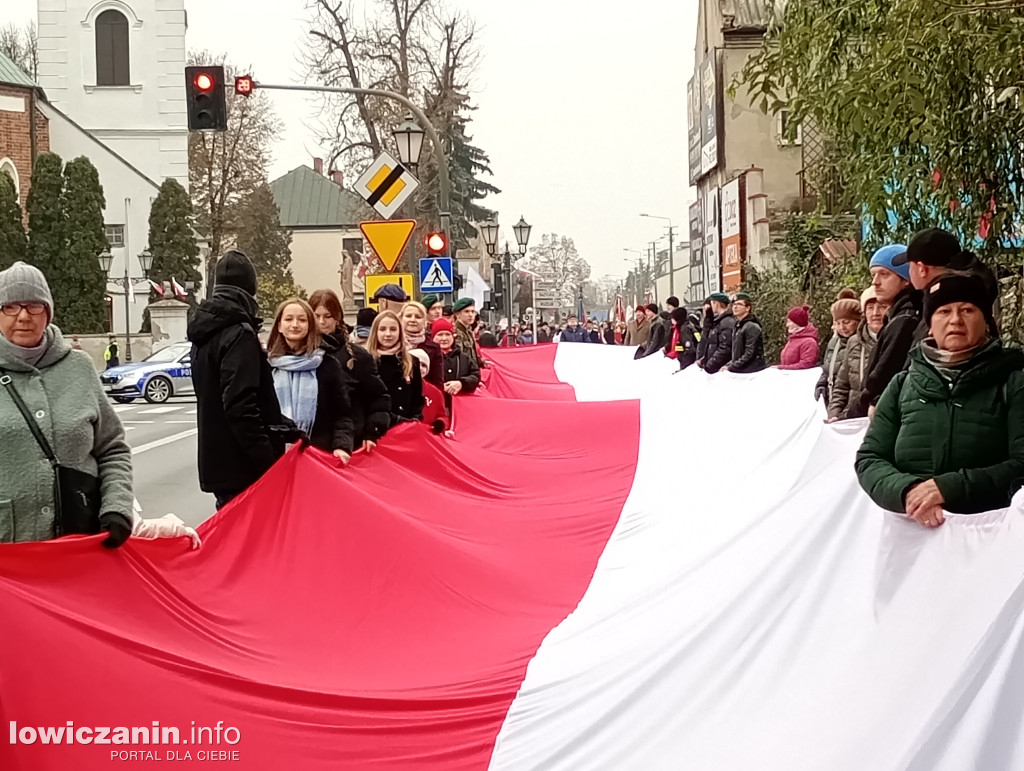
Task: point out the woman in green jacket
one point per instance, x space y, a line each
62 392
948 434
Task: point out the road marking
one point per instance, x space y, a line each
165 441
192 412
179 422
159 410
124 407
140 422
130 428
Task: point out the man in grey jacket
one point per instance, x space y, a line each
62 392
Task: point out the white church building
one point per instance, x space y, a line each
112 88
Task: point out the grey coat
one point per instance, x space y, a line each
63 392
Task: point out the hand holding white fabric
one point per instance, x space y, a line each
167 526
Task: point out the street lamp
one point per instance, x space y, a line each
671 255
489 230
508 296
522 231
106 260
409 138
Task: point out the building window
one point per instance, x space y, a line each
112 49
115 236
784 127
7 167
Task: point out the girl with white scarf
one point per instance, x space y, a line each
310 384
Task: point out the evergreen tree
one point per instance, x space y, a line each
13 246
267 244
172 240
45 213
78 282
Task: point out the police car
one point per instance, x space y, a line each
166 373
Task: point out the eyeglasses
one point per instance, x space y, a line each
14 309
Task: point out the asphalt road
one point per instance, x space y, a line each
163 441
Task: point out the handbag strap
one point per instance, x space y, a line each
33 426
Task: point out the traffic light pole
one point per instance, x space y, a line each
444 182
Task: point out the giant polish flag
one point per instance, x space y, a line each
610 566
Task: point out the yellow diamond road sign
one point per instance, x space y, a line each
385 185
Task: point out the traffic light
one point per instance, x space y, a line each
205 99
437 244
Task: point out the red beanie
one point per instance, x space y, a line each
441 325
799 316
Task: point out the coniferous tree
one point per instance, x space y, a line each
78 283
45 214
172 240
13 245
267 244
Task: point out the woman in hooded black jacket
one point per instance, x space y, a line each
371 403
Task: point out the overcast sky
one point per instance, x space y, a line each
583 112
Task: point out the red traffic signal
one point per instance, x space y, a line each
205 103
244 85
436 243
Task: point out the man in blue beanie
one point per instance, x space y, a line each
890 276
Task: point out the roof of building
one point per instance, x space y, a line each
747 14
307 199
12 75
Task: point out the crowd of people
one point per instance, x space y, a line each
918 351
318 383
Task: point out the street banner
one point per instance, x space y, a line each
693 125
711 95
518 595
712 245
732 235
698 287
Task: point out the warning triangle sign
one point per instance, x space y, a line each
388 238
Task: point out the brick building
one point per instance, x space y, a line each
21 138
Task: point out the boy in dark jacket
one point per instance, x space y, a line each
659 336
238 417
718 350
748 338
893 288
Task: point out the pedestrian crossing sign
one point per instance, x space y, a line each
436 275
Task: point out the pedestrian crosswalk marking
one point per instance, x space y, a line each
159 410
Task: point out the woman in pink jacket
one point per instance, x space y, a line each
801 351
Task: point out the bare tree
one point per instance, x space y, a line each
420 50
225 167
21 46
556 260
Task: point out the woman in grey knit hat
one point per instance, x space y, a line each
63 394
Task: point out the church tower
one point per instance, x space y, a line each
116 68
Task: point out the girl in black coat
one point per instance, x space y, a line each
309 383
399 371
371 403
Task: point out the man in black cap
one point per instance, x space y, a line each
238 416
391 297
933 253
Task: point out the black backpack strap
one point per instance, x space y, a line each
44 444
